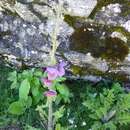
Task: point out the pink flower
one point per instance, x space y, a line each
60 68
50 93
52 73
47 82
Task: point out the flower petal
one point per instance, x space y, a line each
62 64
60 67
52 73
46 82
61 72
50 93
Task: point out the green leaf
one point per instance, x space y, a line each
38 73
37 98
27 74
35 91
14 84
29 102
16 108
64 91
60 79
96 126
59 113
24 89
58 127
93 116
12 76
124 118
110 125
35 82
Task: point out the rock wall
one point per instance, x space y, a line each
94 37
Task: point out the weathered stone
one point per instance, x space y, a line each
80 7
90 48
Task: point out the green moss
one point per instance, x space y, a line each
120 76
76 70
72 20
82 71
115 49
85 40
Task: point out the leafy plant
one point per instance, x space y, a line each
53 76
30 89
108 109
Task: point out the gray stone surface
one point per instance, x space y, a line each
25 35
80 7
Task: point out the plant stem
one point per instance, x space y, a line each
50 111
55 43
58 16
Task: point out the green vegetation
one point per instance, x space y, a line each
109 109
80 106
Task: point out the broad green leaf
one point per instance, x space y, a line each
16 108
36 99
29 102
36 81
24 89
63 90
14 84
27 74
35 91
38 73
12 76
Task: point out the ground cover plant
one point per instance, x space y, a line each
79 105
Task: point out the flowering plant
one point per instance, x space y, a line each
34 86
51 79
52 75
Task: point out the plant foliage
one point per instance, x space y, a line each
108 109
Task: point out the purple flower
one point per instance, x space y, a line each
60 68
47 82
50 93
52 73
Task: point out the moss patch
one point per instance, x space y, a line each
85 40
82 71
76 70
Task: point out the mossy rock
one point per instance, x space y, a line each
89 39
